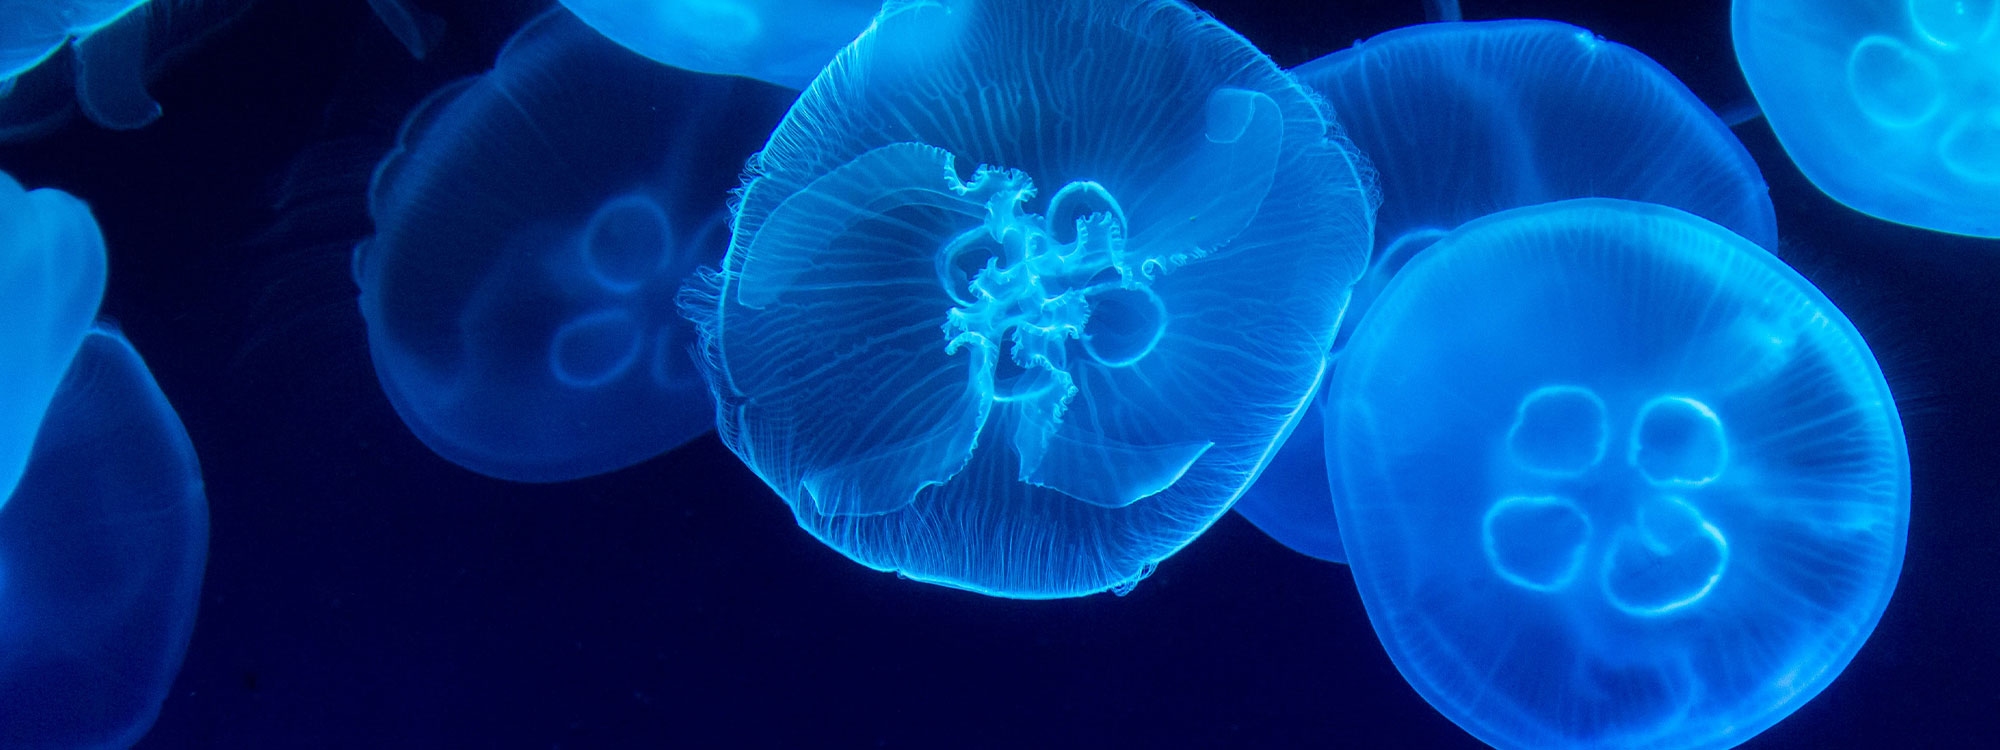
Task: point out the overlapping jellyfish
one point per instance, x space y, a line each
103 526
1462 120
785 42
1613 476
532 230
1021 294
1890 108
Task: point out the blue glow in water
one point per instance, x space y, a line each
417 30
1892 108
532 231
785 42
51 277
1613 476
109 40
1462 120
102 548
1023 313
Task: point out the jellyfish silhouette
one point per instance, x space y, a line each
1650 490
1462 120
532 230
1890 108
785 42
108 38
51 277
1021 294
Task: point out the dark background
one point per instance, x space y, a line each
363 593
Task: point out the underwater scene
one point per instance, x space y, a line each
999 374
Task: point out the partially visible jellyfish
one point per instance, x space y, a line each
417 30
1022 294
532 229
1892 108
1462 120
785 42
102 547
1613 476
51 277
108 38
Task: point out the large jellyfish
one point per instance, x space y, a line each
1462 120
785 42
1892 108
109 41
51 277
532 230
1021 294
1614 476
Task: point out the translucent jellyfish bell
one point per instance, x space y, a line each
109 40
1613 476
51 277
1892 108
532 230
102 547
1462 120
785 42
1021 294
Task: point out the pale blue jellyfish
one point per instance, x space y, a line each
51 277
532 230
1892 108
1613 476
1462 120
785 42
1021 294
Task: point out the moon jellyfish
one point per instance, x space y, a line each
51 277
1021 294
1462 120
532 229
108 38
102 547
1892 108
1614 476
785 42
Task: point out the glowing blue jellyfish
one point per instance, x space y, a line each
1021 294
1462 120
51 277
1892 108
785 42
1614 476
109 40
532 230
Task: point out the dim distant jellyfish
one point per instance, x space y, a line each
1892 108
417 30
785 42
1462 120
1021 294
108 38
1613 476
102 547
532 230
51 277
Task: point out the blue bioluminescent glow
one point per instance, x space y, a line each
109 40
1021 293
1613 476
785 42
51 278
532 231
1462 120
1892 108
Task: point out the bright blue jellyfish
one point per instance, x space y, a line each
51 277
532 230
1021 294
101 553
1614 476
109 40
785 42
1462 120
1892 108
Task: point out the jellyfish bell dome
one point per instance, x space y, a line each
1650 490
1891 108
51 278
1021 294
1465 119
784 42
533 227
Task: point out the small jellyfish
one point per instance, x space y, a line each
532 230
102 547
1892 108
785 42
417 30
51 277
1461 120
108 38
1021 294
1614 476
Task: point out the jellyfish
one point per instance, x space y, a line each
417 30
1462 120
1892 109
108 38
785 42
1614 476
1021 294
51 277
532 230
